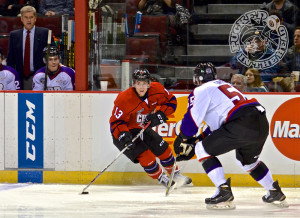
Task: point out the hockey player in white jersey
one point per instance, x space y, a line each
9 77
59 77
236 123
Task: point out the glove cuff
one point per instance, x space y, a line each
125 137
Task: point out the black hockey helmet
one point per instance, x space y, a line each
204 72
53 51
141 75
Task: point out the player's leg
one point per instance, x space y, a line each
161 149
148 161
247 158
223 197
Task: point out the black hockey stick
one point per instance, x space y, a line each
121 152
47 57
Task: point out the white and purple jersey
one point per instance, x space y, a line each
213 102
64 79
9 78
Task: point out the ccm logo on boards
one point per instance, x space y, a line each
285 129
30 130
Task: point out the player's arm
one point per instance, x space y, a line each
36 83
11 83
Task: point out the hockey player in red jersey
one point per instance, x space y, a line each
135 107
236 123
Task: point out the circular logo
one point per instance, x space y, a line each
259 40
285 127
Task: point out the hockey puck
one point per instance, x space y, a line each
84 193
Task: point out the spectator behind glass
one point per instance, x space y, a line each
52 8
59 77
290 13
157 7
13 7
239 82
292 57
9 77
254 82
16 49
256 48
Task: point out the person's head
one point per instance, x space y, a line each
278 15
297 37
141 81
28 17
287 84
253 78
204 72
239 82
53 58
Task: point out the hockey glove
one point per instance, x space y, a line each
157 118
125 139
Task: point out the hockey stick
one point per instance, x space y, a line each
47 57
171 178
121 152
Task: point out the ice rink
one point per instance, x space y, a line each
34 200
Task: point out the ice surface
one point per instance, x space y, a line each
43 200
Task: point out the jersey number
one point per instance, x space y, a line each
232 94
118 113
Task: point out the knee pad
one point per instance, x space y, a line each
211 164
260 171
249 167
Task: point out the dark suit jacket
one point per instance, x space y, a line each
15 49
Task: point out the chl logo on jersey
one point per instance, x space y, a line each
140 118
285 129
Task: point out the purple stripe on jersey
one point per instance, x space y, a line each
263 175
174 106
188 126
242 106
213 167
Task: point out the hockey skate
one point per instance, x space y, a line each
275 196
164 180
181 179
222 199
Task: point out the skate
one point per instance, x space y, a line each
222 199
164 180
275 196
181 179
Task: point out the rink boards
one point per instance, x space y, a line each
65 138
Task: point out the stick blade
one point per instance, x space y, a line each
84 193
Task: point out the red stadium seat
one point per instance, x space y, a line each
52 23
143 49
8 24
4 45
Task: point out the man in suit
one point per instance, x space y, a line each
25 51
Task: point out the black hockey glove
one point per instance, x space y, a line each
157 118
185 150
125 139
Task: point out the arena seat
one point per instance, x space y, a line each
52 23
8 24
143 48
4 45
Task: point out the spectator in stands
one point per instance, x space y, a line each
52 8
284 84
256 48
292 57
26 56
9 77
290 13
239 82
56 76
13 7
157 7
254 81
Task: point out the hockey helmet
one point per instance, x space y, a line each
141 75
204 72
53 51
